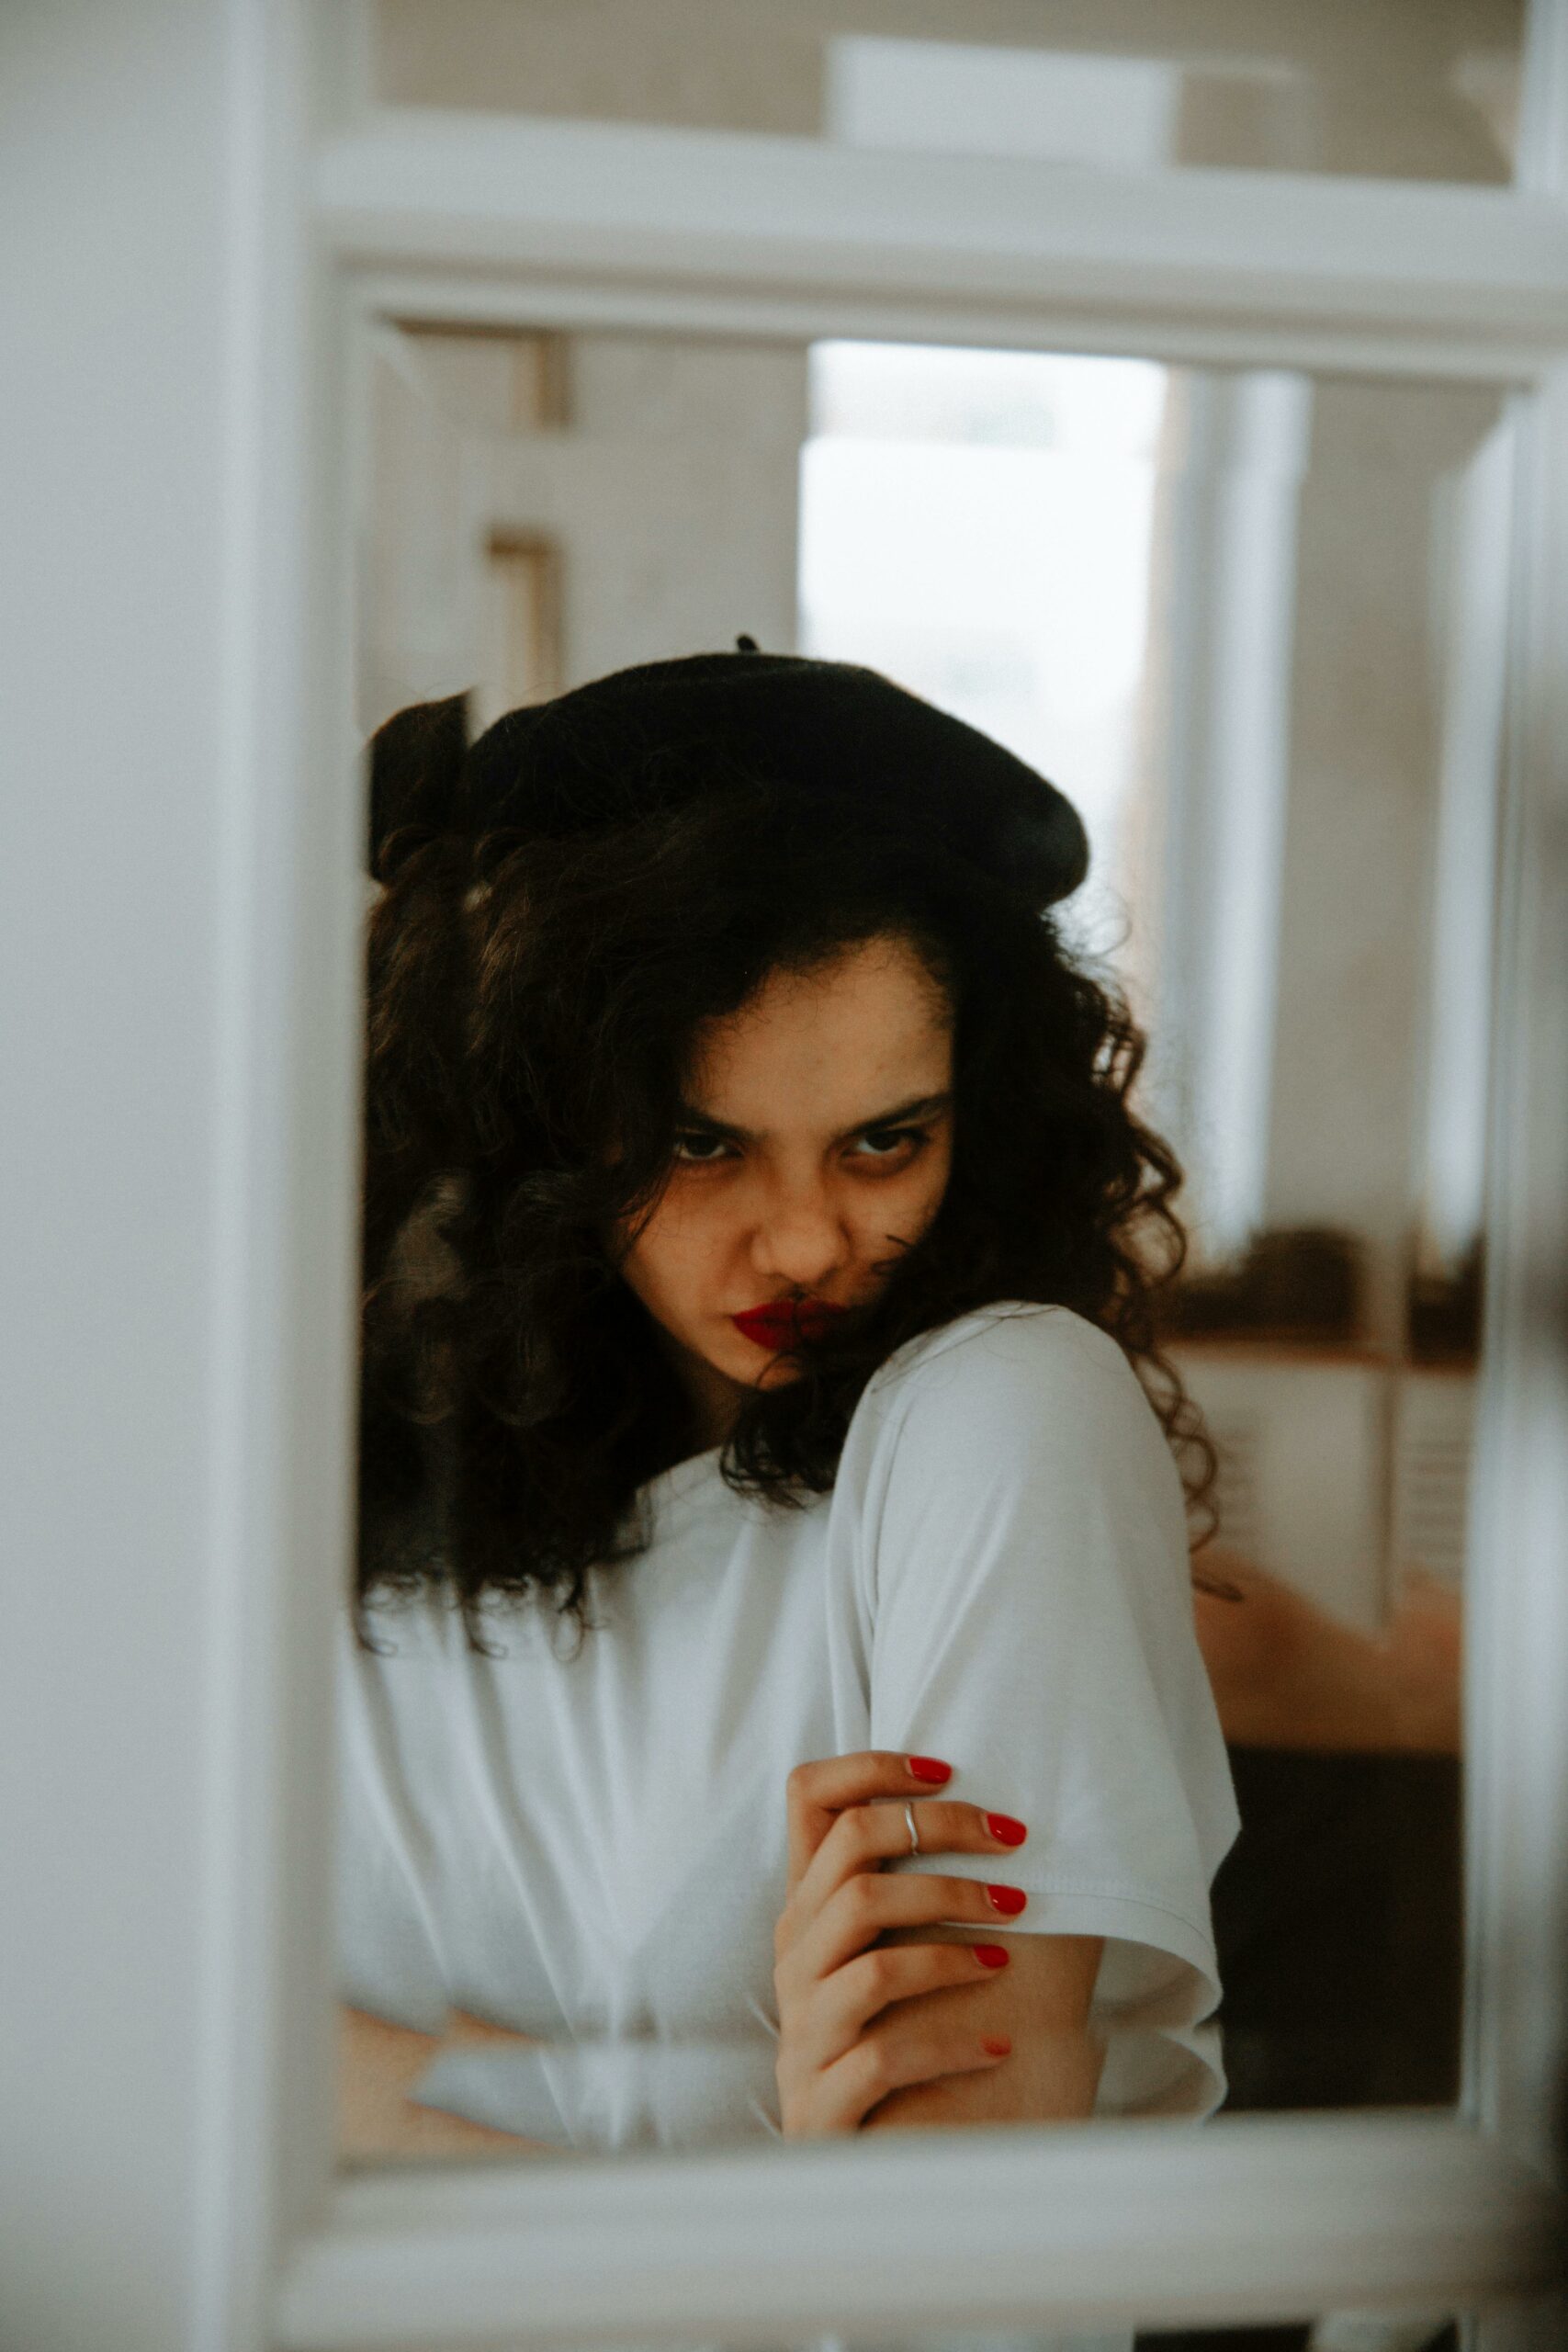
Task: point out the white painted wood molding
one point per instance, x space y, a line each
1450 280
1252 2218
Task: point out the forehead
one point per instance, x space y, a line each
874 1017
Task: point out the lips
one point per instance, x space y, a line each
784 1323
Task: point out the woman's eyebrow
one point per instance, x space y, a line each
918 1107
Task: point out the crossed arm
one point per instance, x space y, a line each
968 2024
379 2066
1039 2003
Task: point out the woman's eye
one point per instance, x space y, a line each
895 1136
704 1151
684 1142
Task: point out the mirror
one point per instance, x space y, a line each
1253 625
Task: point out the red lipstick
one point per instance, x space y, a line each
784 1321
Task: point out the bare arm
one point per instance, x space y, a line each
1286 1674
379 2064
1040 2002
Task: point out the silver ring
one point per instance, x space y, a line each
914 1841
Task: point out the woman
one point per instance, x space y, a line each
760 1250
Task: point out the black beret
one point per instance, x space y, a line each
654 735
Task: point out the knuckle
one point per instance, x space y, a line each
865 1829
881 1970
875 2069
830 1852
863 1894
787 1988
892 1968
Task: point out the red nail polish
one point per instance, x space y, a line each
990 1955
1003 1825
996 2046
1011 1899
930 1768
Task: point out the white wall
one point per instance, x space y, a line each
670 489
1367 754
161 985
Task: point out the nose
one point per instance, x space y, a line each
801 1239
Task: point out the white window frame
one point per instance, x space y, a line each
169 2141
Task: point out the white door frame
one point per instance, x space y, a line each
186 699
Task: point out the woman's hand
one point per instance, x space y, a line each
832 1979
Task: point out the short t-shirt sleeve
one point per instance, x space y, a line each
1023 1607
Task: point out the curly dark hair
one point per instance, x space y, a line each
533 1010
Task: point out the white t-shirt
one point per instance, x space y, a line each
592 1849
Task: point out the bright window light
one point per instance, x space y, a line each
978 525
986 100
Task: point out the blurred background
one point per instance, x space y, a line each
1376 88
1254 624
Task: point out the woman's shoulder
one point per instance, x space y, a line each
1016 1452
1014 1384
1011 1343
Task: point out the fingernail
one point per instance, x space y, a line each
930 1768
1010 1899
990 1955
1003 1826
996 2046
